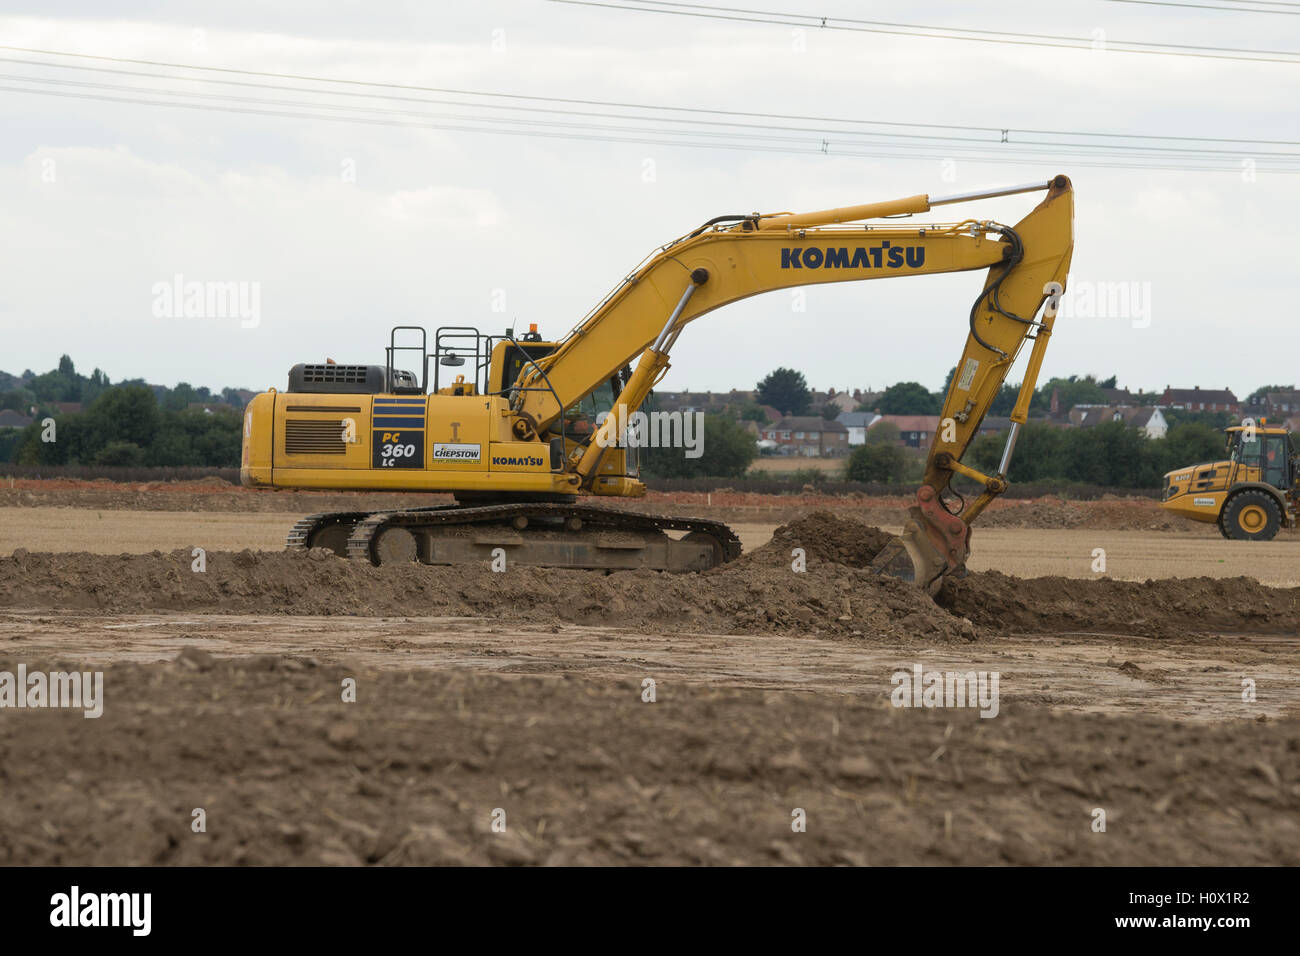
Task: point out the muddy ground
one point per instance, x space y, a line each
1172 705
584 771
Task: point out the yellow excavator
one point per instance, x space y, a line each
531 433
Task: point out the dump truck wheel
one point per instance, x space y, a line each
1251 516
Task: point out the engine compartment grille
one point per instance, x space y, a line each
314 437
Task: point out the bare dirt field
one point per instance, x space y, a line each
1165 693
1130 555
784 464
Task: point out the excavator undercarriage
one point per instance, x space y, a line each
545 534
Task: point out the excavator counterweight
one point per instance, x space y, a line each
520 429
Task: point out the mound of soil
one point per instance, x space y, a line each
824 537
1109 513
834 596
1152 608
828 599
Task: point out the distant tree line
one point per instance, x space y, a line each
125 426
128 424
23 393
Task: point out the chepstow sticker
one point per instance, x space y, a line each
448 452
1203 502
883 256
75 689
75 908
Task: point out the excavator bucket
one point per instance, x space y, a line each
913 556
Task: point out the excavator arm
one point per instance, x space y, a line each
734 257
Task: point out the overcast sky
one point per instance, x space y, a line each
351 227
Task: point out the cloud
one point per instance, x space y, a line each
353 228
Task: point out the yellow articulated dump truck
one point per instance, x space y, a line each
1251 495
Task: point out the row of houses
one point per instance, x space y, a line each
813 437
819 438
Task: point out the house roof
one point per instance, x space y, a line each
1086 416
808 423
11 419
910 423
1211 396
856 419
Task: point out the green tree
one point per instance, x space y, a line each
909 398
180 397
127 413
785 390
1072 391
884 433
1192 443
17 399
884 463
120 453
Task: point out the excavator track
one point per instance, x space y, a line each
305 532
538 534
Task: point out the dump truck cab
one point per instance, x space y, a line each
1251 494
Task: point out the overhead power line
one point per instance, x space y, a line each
606 121
741 14
1209 6
613 104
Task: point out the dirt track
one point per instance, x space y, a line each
524 693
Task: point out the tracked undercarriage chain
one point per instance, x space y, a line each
367 530
304 529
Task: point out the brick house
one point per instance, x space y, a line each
808 436
1149 418
915 431
857 423
1275 406
11 419
1201 400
